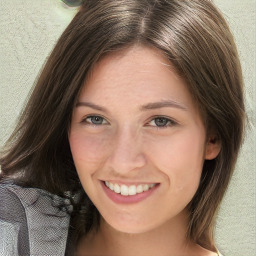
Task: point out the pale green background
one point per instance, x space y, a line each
30 28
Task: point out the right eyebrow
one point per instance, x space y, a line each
91 105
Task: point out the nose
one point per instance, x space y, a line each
126 152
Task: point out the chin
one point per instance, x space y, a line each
130 229
130 226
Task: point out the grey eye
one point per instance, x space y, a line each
96 120
73 3
161 121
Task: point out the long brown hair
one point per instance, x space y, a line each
195 38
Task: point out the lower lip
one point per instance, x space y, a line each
120 199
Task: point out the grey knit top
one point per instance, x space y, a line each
33 222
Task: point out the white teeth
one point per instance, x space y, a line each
146 187
124 190
139 189
111 186
132 190
117 189
129 190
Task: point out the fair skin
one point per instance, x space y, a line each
136 124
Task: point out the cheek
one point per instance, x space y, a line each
87 151
180 158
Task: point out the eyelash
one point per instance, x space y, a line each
85 120
169 122
102 121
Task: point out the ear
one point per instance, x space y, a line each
213 147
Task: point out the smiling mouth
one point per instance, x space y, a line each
131 190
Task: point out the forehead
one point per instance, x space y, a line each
132 73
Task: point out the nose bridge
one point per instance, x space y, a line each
127 151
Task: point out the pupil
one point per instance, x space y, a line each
96 120
161 121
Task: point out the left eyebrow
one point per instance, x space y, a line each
163 104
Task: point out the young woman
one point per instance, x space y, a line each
130 137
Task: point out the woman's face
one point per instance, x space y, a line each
138 140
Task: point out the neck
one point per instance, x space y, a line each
163 240
166 237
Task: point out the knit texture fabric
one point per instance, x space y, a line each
33 222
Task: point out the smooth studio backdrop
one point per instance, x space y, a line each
29 30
